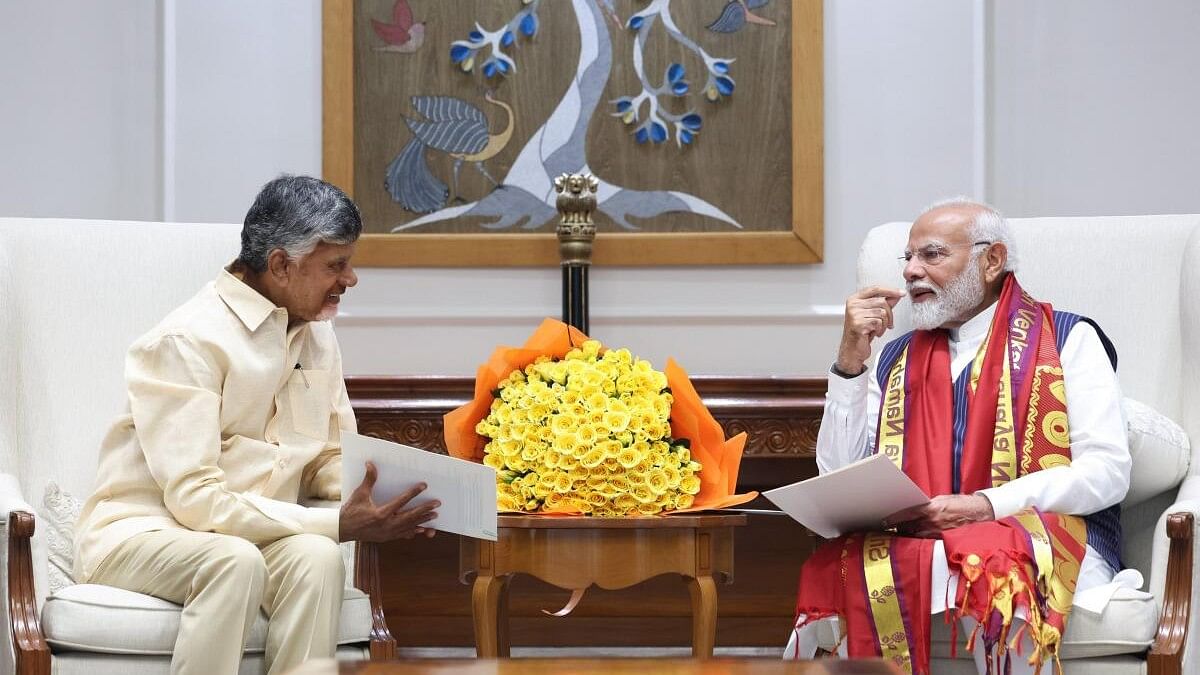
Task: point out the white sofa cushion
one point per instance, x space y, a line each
95 618
1160 449
1127 626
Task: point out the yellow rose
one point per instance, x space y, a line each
563 424
586 433
690 485
625 503
551 459
532 505
642 494
596 401
616 421
657 481
566 443
648 508
619 483
684 501
507 503
628 458
529 453
493 460
562 482
595 499
593 458
673 477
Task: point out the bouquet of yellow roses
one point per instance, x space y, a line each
573 428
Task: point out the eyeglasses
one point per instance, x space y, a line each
933 254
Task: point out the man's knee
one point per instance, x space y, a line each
238 559
315 557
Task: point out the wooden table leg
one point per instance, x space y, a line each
704 615
502 641
485 610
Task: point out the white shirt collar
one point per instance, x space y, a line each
976 326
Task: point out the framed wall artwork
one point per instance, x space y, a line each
447 122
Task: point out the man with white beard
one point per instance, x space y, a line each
1007 413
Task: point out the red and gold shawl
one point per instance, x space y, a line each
878 582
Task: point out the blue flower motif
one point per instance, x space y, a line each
475 36
679 88
635 22
529 25
725 86
641 135
507 39
720 67
490 68
459 53
685 137
691 122
675 72
658 133
624 104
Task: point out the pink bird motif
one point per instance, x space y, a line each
402 34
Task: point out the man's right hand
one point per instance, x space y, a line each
360 519
868 315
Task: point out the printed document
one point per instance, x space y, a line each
467 490
853 498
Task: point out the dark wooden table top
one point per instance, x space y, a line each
672 666
686 520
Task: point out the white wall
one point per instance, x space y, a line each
1048 108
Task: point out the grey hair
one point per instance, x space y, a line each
295 213
987 225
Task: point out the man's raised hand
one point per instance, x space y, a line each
361 519
868 315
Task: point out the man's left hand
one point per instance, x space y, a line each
944 512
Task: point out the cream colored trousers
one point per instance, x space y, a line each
223 580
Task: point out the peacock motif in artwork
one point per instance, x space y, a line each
454 127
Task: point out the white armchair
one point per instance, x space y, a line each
1139 278
73 296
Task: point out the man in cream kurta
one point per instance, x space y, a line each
236 406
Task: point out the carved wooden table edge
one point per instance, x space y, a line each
578 552
580 666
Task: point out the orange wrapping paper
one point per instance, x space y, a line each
719 457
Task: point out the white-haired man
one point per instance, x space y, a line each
236 408
1007 413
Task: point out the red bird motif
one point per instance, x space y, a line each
402 34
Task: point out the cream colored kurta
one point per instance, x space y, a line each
223 433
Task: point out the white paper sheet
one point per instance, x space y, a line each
855 497
467 490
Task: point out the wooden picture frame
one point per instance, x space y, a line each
803 244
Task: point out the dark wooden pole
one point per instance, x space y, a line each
576 201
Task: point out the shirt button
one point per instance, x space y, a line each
282 463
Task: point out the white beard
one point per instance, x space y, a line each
964 293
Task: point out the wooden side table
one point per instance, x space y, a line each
576 552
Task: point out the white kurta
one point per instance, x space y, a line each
1097 477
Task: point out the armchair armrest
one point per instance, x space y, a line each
1167 654
29 648
367 580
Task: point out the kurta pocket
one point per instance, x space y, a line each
311 402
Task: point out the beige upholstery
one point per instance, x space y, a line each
1137 277
73 295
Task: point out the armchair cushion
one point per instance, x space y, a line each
1127 626
95 618
1160 448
